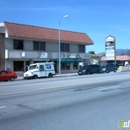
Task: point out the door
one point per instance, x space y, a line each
8 75
3 75
42 71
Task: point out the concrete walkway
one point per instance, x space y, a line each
20 77
57 75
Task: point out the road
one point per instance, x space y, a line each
95 102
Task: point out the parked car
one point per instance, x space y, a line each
108 68
90 69
6 75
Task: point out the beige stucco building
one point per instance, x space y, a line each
21 45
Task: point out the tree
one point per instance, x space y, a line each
91 52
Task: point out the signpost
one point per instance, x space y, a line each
110 48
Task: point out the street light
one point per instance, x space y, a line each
66 16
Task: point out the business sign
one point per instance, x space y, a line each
70 60
42 55
110 48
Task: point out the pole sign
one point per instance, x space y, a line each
110 48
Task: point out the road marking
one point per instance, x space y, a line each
108 88
2 107
47 88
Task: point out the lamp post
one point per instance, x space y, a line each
66 16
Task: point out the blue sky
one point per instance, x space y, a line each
97 18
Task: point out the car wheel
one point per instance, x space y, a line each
115 71
50 75
35 77
107 71
87 72
12 79
98 72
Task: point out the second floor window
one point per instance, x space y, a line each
18 44
64 47
82 48
39 46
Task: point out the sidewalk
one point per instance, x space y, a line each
57 75
66 75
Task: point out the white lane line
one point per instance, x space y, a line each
107 88
2 107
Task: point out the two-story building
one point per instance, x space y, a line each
21 45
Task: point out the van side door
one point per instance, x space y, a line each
42 71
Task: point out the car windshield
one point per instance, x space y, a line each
83 68
32 67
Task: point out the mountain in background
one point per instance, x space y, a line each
118 52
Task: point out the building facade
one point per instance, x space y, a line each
121 60
21 45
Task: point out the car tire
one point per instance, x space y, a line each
107 71
50 75
115 71
98 72
87 72
12 78
35 77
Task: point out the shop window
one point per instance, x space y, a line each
64 47
39 46
75 66
18 44
18 65
65 66
82 48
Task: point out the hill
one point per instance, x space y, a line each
119 52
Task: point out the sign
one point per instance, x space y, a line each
42 55
110 48
69 60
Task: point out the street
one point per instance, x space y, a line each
96 102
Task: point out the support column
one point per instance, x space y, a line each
71 67
30 61
2 52
24 66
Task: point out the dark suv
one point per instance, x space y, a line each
90 69
108 68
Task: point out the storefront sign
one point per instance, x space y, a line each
42 55
69 60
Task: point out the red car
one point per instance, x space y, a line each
6 75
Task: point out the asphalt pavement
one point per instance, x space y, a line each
95 102
68 74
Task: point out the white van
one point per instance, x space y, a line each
37 70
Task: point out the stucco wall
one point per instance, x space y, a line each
9 64
50 46
9 44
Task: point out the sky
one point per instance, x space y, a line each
97 18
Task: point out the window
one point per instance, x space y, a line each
18 65
18 44
32 67
3 72
41 67
65 66
64 47
82 48
39 46
75 66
